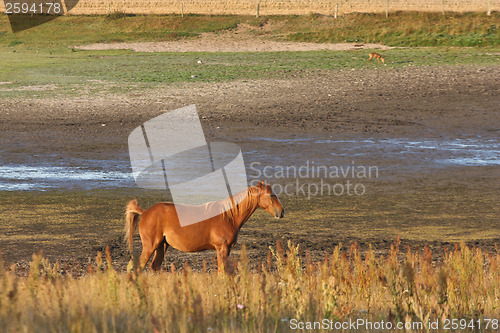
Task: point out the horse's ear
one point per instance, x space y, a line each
261 183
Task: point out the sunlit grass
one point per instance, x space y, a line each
398 287
400 29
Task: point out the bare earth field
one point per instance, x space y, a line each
276 122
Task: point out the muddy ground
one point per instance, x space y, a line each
423 101
413 102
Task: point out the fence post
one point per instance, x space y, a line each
182 8
386 8
489 8
442 7
336 13
258 9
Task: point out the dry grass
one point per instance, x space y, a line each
399 29
345 285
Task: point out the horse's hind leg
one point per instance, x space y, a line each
147 251
159 255
148 247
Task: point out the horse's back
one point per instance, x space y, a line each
159 213
163 215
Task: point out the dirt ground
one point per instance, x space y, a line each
423 102
243 39
409 102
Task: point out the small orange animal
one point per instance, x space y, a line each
376 56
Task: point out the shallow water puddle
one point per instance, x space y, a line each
400 151
399 154
44 176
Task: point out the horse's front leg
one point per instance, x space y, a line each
222 255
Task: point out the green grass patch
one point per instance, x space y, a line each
39 62
45 73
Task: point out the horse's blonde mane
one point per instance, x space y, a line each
238 203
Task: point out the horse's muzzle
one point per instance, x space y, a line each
281 215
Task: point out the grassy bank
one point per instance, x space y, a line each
399 29
28 74
342 287
40 63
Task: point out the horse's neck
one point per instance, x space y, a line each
250 205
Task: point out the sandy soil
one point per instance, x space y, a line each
240 40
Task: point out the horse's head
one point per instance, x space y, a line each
269 201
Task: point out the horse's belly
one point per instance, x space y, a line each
187 244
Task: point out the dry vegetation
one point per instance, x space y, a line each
399 29
345 285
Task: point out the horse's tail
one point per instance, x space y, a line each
131 221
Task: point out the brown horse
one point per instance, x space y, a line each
160 226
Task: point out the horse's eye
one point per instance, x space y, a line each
273 195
